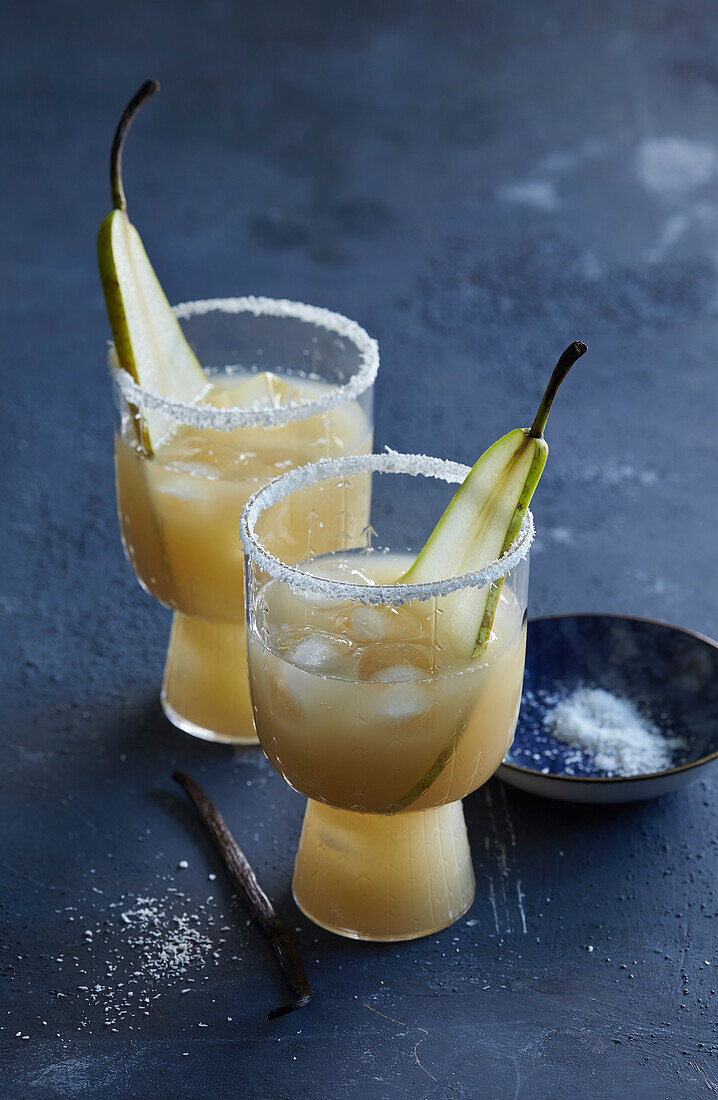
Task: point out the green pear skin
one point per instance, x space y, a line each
480 524
149 342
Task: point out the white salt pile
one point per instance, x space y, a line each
613 732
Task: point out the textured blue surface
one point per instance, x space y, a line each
477 184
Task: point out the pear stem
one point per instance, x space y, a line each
118 194
573 352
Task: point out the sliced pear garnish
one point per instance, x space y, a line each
149 341
480 524
476 528
482 521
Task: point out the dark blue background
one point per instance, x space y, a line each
477 184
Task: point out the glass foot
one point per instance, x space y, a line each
205 690
375 877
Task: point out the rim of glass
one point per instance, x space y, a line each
391 462
205 416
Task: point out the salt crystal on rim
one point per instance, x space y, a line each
225 420
416 465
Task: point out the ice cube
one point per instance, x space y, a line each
399 702
318 652
376 623
184 484
398 674
314 650
319 603
292 692
307 654
394 662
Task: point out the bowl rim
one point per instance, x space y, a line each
696 634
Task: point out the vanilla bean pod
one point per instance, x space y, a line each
260 907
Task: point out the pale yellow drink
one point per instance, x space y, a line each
179 514
355 706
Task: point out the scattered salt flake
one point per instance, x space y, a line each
620 739
183 864
211 878
159 944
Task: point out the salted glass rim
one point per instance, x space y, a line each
391 462
206 417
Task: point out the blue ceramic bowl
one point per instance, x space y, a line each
669 673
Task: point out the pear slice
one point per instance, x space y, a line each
149 342
480 523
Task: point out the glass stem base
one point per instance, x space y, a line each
375 877
205 690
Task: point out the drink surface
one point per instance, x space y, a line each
179 510
355 703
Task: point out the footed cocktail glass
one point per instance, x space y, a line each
179 507
359 702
